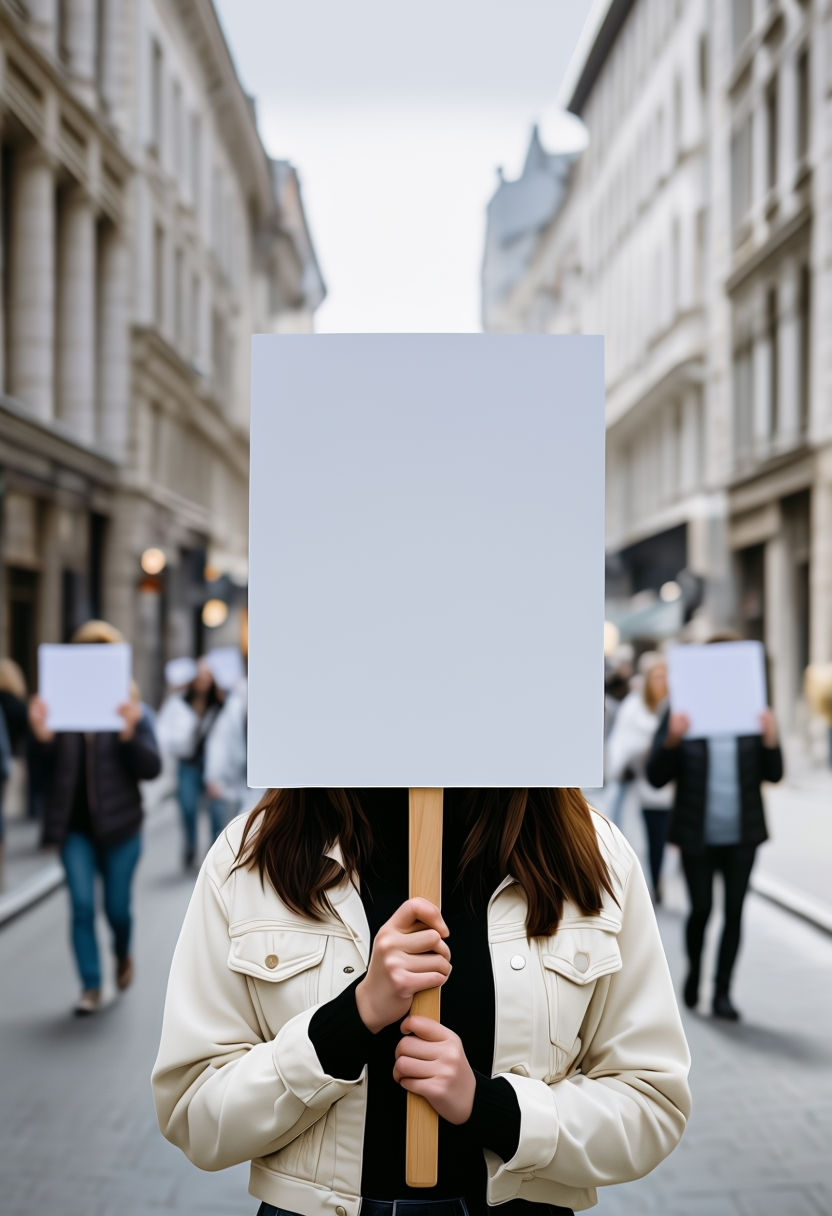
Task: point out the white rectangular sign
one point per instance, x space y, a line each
721 687
83 685
426 561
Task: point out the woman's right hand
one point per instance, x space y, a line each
38 713
677 727
409 955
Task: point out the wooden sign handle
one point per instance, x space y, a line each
422 1162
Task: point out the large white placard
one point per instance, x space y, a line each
83 685
426 561
721 687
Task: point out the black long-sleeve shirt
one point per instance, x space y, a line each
344 1045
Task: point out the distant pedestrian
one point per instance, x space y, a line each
628 749
16 720
226 755
93 813
5 769
617 678
186 722
717 821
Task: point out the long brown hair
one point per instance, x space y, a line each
545 838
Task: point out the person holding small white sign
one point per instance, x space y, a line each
288 1040
93 815
718 821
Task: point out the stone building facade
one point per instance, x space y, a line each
695 233
142 242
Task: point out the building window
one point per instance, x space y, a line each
699 262
195 324
703 62
178 298
773 362
743 402
178 139
771 134
804 318
159 276
196 159
156 97
742 18
678 117
675 266
740 178
803 108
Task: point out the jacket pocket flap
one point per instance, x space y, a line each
582 955
275 954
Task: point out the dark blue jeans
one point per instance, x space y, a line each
116 863
190 787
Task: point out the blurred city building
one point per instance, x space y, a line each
144 235
695 232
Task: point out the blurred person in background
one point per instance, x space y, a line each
226 755
5 769
185 726
26 786
628 749
93 813
717 821
617 679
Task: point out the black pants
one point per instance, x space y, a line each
734 862
656 823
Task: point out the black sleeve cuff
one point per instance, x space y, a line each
495 1117
340 1038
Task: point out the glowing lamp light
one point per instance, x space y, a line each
670 592
214 613
612 636
153 561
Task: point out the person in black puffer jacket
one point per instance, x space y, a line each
93 813
717 821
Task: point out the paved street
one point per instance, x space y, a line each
78 1135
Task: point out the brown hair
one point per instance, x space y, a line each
545 838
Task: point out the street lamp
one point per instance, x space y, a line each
153 561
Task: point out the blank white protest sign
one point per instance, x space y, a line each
721 687
426 561
83 685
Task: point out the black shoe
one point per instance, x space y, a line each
723 1008
690 992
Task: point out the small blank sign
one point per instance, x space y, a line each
426 561
721 687
83 685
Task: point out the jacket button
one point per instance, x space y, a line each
517 962
349 970
340 1211
581 961
520 1070
271 961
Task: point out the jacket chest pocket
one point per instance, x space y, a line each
573 960
284 969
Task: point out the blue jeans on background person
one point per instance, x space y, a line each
116 863
190 786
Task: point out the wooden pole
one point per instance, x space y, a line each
426 880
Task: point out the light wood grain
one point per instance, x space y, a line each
425 880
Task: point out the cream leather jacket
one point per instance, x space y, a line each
587 1032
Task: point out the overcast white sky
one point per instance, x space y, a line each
396 114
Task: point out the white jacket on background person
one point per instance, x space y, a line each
587 1032
226 753
628 747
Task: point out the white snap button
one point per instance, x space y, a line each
517 962
581 961
340 1211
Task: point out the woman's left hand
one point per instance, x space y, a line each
131 713
431 1061
768 725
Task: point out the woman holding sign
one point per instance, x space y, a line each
717 821
560 1064
93 814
